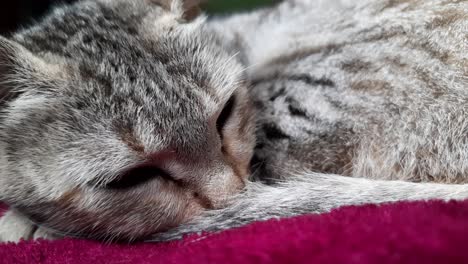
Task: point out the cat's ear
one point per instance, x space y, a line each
185 10
9 53
19 68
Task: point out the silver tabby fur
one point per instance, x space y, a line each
357 102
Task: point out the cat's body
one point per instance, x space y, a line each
375 89
368 89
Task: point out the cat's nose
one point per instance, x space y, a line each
222 190
161 156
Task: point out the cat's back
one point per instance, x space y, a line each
368 88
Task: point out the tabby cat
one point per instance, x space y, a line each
134 119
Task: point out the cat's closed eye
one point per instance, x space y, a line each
225 115
136 177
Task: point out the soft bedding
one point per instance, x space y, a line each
404 232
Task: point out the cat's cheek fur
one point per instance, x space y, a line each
106 214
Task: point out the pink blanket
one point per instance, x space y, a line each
417 232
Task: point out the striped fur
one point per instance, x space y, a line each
357 102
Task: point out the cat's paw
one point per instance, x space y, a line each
14 227
42 233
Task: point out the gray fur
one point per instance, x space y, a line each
310 193
371 90
106 88
365 89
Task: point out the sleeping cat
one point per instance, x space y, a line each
130 119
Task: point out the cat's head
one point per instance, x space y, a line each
120 119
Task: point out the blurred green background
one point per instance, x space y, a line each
220 6
17 13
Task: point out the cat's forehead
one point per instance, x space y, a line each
114 74
112 50
168 91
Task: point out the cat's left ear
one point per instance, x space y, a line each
185 10
14 61
21 70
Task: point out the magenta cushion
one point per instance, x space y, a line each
405 232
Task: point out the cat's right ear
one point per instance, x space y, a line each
184 10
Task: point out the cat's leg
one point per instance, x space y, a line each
312 193
14 227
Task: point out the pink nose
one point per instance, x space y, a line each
161 156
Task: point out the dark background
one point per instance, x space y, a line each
17 13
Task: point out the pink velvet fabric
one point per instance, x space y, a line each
416 232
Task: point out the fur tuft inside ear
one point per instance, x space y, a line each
20 70
9 50
186 10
